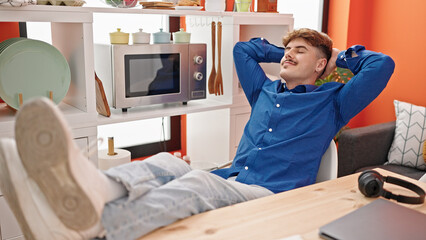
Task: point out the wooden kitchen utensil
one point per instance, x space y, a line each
218 82
212 76
102 106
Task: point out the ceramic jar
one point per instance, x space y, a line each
161 37
141 37
181 36
119 37
243 5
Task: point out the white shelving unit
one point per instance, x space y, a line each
72 34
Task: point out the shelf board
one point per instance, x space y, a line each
136 10
140 10
161 110
75 117
45 13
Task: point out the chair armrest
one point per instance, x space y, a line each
364 146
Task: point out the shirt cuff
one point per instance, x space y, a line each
344 55
274 53
341 60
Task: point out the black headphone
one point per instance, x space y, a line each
370 183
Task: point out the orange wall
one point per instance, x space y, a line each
393 27
8 30
338 18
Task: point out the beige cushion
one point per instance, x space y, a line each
410 133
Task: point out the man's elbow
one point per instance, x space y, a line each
238 48
385 67
388 64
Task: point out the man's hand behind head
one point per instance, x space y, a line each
331 65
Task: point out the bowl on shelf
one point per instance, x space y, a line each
121 3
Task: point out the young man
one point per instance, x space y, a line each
56 193
292 123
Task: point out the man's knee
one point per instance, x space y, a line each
168 161
199 178
163 155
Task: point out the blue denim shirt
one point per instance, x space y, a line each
289 130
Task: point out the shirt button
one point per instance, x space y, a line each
278 105
270 130
246 168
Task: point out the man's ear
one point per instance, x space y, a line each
321 65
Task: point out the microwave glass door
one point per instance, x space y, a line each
152 74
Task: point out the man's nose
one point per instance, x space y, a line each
288 54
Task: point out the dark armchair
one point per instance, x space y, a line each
365 148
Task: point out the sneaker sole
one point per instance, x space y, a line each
42 142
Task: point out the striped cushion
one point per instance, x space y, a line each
424 151
410 133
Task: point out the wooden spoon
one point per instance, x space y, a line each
218 82
213 72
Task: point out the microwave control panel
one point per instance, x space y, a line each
197 71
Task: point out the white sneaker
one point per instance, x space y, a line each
72 185
35 217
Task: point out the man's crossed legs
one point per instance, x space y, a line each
56 193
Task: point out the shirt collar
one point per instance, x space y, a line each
299 89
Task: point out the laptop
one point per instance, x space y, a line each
380 219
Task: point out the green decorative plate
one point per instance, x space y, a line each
33 68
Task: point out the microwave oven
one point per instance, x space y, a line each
146 74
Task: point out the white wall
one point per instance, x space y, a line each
208 136
306 13
135 133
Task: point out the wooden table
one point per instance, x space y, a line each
298 212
